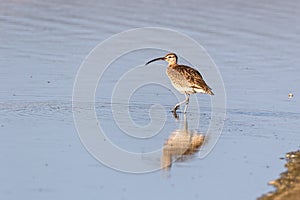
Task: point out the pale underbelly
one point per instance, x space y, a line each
188 90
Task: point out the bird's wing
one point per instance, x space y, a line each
191 75
194 78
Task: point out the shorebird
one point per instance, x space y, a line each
185 79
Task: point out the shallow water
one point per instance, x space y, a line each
254 44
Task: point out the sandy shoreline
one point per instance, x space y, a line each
288 185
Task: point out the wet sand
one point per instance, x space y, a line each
288 185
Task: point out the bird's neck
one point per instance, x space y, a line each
172 65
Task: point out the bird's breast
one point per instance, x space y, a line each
179 82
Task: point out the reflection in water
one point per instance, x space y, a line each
288 185
180 145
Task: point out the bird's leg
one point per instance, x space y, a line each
187 96
187 100
177 106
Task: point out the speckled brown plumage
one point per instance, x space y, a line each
188 77
185 79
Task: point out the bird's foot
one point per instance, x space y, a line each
175 115
175 108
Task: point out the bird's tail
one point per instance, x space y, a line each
205 90
208 91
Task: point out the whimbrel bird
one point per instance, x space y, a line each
185 79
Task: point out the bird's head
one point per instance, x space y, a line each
171 58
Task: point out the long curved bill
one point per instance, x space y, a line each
156 59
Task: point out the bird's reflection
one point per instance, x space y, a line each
181 144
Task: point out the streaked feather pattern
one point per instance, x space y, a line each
185 76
